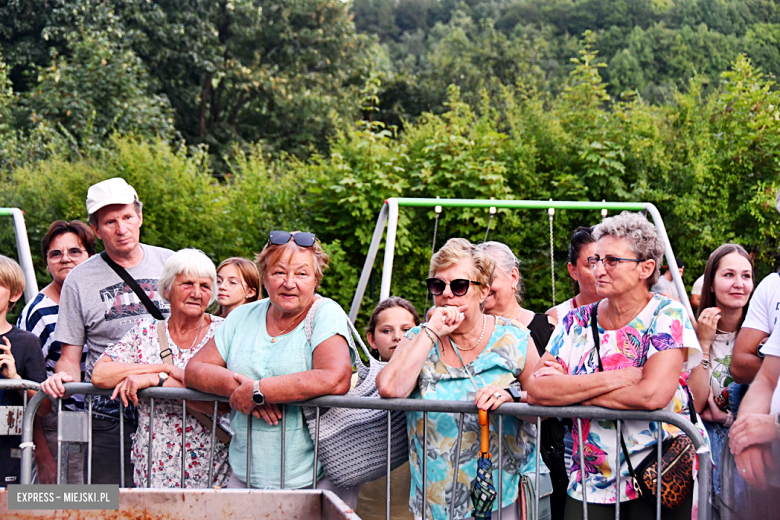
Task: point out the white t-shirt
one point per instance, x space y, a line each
772 348
764 310
697 286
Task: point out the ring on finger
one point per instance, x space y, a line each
497 395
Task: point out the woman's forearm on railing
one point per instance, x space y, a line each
399 377
562 390
209 378
108 373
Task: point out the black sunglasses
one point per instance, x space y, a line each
458 287
280 238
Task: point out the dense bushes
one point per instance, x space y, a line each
710 163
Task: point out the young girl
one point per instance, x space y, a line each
238 282
728 284
390 320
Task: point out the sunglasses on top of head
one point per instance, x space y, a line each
458 287
302 239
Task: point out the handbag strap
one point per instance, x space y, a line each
594 323
130 281
167 354
308 328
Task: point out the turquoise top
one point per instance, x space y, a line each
244 344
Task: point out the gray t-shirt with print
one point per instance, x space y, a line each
97 307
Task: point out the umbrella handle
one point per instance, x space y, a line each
485 434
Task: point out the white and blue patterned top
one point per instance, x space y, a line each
40 317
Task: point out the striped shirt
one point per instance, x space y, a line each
40 317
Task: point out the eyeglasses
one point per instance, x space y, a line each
610 262
458 287
279 238
55 255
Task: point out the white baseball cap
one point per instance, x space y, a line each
110 191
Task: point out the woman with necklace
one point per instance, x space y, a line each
261 358
155 353
628 351
728 284
462 354
506 294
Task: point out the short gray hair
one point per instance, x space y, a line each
640 233
505 260
93 217
191 262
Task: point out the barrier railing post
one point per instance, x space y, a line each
618 451
316 448
284 436
425 467
59 445
500 461
583 477
538 465
89 444
456 469
184 441
213 441
389 461
249 451
121 443
659 477
149 448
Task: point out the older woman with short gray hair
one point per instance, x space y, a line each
154 353
625 352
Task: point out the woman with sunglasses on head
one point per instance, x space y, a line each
728 284
64 246
238 283
463 354
627 352
261 358
582 246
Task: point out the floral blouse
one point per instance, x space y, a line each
663 324
140 345
499 364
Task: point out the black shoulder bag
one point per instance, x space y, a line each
677 456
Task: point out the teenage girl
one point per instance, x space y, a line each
238 282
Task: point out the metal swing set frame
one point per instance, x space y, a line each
388 217
23 250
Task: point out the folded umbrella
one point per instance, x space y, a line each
483 492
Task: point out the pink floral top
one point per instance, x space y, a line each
140 345
663 324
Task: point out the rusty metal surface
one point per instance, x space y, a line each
203 504
11 420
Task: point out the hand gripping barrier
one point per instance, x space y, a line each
455 407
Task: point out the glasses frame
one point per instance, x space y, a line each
63 253
429 281
301 238
593 261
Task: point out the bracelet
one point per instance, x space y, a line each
729 419
432 332
429 334
705 363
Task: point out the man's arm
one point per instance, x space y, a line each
745 361
67 370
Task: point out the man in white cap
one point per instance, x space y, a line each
97 308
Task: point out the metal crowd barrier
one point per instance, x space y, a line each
456 407
12 425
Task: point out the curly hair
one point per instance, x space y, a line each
458 249
640 233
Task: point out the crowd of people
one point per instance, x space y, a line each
138 316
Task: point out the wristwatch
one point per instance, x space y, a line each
515 393
163 377
257 395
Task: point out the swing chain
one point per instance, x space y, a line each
551 213
437 209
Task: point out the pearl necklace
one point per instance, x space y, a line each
484 322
